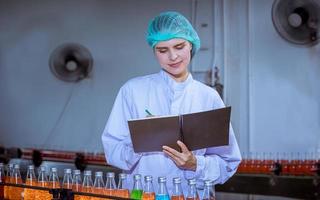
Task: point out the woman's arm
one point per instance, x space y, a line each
217 164
116 139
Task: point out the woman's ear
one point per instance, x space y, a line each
191 46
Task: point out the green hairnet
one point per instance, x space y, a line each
169 25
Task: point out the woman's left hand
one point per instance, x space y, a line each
184 159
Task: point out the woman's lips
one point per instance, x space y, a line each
175 65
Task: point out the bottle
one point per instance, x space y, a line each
110 184
76 183
2 179
177 193
87 185
122 190
16 192
67 179
192 190
8 180
136 192
42 182
148 191
98 185
31 180
209 192
162 193
54 179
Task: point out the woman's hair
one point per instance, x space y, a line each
169 25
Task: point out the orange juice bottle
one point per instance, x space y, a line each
2 181
148 191
16 192
209 192
8 180
31 180
54 178
67 179
122 190
76 183
177 193
43 182
87 185
110 187
98 185
192 190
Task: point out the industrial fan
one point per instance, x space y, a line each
71 62
297 21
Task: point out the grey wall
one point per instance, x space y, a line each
37 109
270 83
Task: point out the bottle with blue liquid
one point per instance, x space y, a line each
162 193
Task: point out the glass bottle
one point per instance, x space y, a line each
42 182
122 190
192 190
98 185
148 191
110 184
209 192
87 185
54 179
162 193
177 193
8 180
76 183
16 192
137 189
67 179
31 180
2 179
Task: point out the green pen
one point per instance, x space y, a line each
147 111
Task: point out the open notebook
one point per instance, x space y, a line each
197 130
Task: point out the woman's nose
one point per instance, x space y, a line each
173 55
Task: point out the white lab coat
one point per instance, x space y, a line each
162 95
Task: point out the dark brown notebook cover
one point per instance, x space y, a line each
196 130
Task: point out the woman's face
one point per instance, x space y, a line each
174 57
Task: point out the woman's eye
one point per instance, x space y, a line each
162 51
180 47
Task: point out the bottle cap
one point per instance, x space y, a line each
87 173
148 178
110 174
122 176
30 167
162 179
176 180
208 183
99 174
137 177
76 172
192 181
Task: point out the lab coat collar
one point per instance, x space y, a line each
174 85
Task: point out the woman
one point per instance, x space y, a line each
171 91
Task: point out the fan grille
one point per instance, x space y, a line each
297 21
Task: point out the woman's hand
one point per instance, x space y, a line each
185 159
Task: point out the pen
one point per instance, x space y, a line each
147 111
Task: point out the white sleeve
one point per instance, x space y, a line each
116 138
218 163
